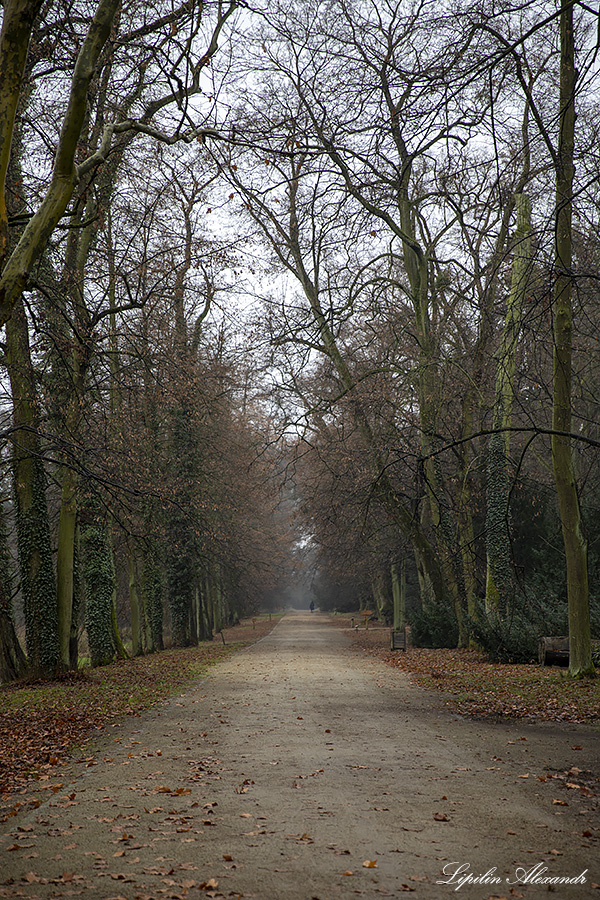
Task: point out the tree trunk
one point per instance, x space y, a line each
153 591
99 584
17 23
77 598
38 582
116 637
399 594
13 662
65 564
500 583
580 653
382 601
429 385
134 608
40 227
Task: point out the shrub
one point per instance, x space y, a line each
434 626
506 639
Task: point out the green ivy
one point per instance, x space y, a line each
38 582
497 532
180 588
98 575
77 595
153 588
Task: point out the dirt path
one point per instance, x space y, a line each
293 764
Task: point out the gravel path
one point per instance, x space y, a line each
303 769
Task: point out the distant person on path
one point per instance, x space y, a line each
312 605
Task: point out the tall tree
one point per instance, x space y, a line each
580 659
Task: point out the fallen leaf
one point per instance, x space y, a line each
441 817
370 864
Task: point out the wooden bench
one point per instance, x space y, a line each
398 639
554 651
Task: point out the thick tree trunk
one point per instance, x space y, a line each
153 590
382 600
99 583
580 654
33 531
17 24
13 662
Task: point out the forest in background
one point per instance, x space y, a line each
297 297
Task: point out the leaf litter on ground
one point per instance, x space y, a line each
43 723
476 687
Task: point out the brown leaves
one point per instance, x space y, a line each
175 792
477 687
243 787
40 723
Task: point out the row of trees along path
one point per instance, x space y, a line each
296 289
